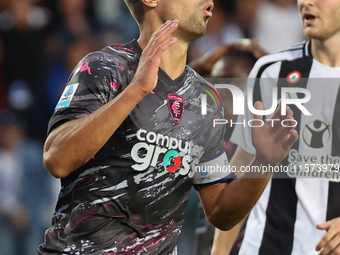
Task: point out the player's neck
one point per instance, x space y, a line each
327 52
173 60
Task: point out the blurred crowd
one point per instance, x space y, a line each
41 41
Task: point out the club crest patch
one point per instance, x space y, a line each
176 106
294 77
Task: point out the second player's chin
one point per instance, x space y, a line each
311 33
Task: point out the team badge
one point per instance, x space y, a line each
176 106
294 77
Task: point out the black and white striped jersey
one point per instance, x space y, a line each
284 220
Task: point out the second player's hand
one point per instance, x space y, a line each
330 242
146 75
273 140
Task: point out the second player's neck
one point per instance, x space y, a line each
327 52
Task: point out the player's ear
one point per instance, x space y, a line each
150 3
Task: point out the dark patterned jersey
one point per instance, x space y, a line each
131 196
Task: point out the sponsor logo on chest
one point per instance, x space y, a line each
173 154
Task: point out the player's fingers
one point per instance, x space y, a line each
155 36
157 33
162 28
284 130
290 139
336 251
164 46
163 35
331 245
332 232
277 114
258 106
326 225
289 111
289 122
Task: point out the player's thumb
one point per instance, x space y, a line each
258 106
324 226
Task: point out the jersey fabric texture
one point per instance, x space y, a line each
284 220
131 196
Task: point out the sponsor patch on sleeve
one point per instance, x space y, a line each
67 96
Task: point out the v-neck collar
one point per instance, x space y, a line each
163 77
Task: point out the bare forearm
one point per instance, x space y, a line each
74 143
232 202
227 204
245 191
224 240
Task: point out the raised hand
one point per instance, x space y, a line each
330 242
147 72
273 140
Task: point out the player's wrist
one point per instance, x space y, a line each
265 160
136 91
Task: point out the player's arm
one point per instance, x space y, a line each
204 65
224 204
330 242
224 240
74 143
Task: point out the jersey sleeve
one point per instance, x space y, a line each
93 83
216 170
214 165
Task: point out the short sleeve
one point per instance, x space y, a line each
93 83
214 166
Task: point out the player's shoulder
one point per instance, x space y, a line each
198 79
112 55
205 87
129 50
297 51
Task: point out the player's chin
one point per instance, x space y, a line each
312 33
199 32
203 28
